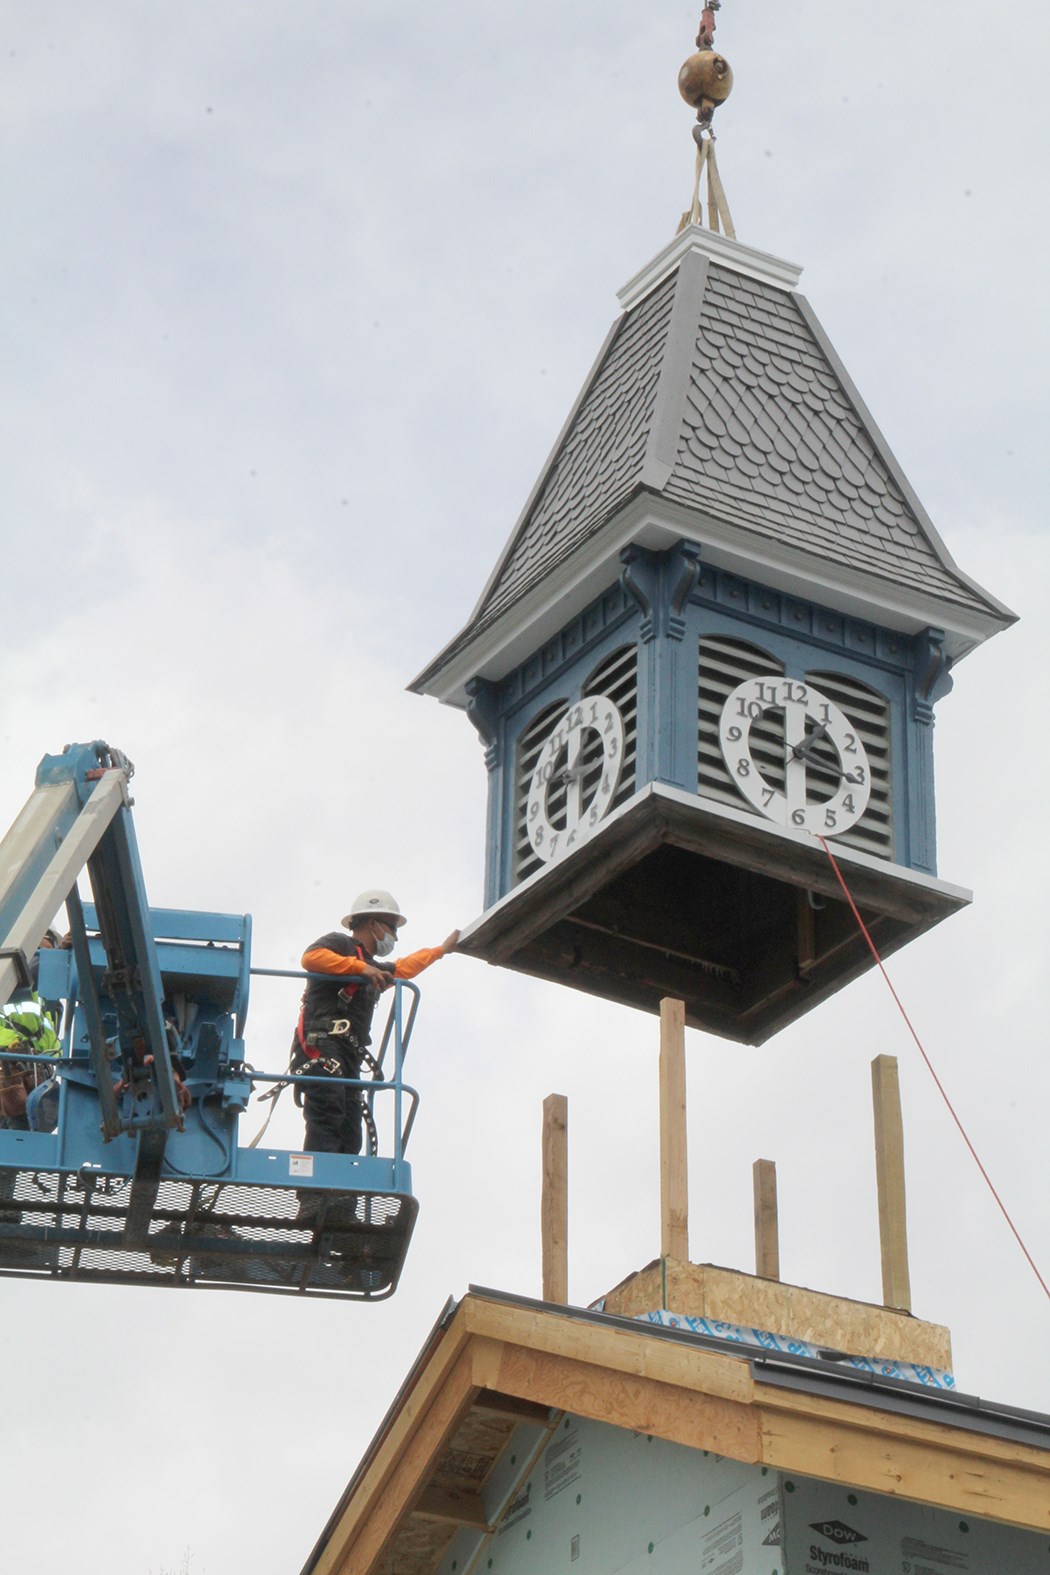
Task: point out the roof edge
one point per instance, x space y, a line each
874 431
676 368
716 248
420 684
436 1335
658 522
545 469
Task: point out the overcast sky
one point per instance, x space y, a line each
294 297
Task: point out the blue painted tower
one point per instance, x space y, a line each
708 656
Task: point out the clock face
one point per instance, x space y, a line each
576 774
794 755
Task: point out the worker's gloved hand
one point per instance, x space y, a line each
450 943
380 977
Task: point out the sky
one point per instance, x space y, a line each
294 298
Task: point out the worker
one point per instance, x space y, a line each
28 1030
336 1017
28 1026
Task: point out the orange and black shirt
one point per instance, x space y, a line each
346 993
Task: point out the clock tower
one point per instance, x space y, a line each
707 661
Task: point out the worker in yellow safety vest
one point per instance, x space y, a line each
26 1027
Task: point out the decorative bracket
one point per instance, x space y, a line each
661 584
483 713
639 577
685 559
934 679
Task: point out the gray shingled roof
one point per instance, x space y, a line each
771 439
733 377
596 467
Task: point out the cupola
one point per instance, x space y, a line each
705 665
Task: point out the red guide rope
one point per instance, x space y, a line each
929 1065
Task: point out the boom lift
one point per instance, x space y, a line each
130 1187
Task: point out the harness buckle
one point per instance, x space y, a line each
340 1028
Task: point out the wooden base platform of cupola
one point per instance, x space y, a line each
836 1326
745 923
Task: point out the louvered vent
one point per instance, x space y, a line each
724 663
617 678
530 744
870 715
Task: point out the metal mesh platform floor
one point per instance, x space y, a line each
309 1241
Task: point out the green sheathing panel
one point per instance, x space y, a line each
829 1530
601 1500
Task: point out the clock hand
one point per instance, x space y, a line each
572 769
804 752
827 765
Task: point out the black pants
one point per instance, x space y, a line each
333 1114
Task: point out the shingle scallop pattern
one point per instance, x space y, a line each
790 440
600 458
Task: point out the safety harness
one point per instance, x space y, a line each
306 1058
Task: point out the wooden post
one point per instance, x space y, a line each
767 1224
554 1199
889 1171
674 1168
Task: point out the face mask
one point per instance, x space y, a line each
384 946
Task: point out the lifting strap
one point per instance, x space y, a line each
717 207
273 1095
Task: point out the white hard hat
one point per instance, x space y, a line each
375 904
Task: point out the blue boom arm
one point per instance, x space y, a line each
80 815
132 1182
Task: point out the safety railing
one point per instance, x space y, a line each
26 1059
395 1037
393 1041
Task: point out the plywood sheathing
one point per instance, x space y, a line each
700 1290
